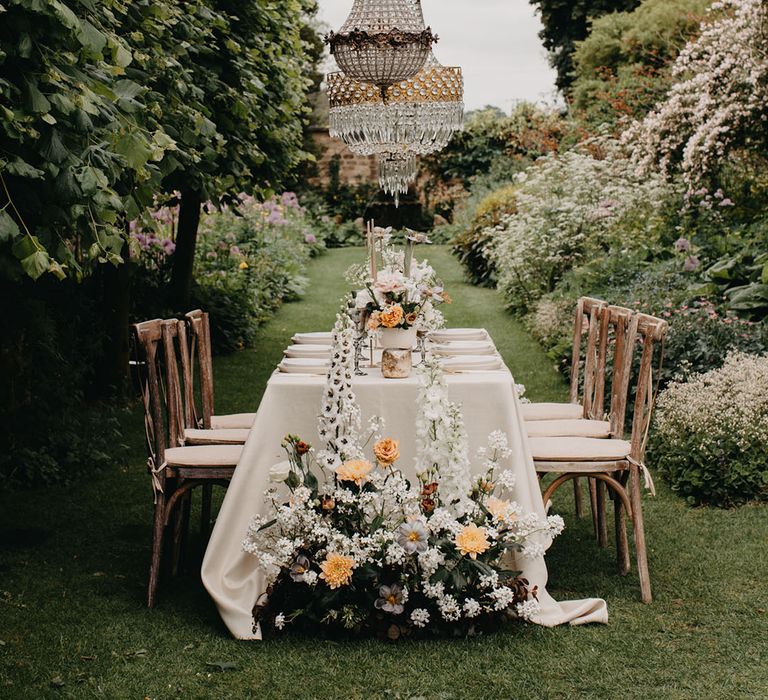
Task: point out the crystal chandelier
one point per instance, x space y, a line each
382 42
396 172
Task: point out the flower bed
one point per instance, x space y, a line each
711 433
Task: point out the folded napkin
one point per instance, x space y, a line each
316 338
446 335
303 365
465 347
468 363
308 350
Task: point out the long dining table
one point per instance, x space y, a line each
290 405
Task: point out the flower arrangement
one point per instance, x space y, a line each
349 545
404 292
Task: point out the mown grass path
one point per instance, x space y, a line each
73 565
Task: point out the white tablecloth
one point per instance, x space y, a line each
290 405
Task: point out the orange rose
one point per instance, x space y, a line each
354 470
387 451
391 316
446 297
374 322
411 318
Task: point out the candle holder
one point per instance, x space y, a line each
360 319
421 345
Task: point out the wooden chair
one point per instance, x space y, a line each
546 418
615 462
175 469
199 331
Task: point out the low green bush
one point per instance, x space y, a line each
711 431
471 244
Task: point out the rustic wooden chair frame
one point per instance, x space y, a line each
199 333
155 342
622 477
585 321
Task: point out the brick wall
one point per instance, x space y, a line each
354 169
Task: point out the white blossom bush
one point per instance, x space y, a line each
719 100
568 206
711 433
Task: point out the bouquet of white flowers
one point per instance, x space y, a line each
357 548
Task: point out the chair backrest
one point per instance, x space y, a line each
586 321
149 351
651 333
200 353
618 333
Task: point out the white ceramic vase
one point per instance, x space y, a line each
397 338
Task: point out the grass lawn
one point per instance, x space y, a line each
73 565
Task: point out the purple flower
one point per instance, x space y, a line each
310 238
210 255
726 203
682 245
169 246
299 567
691 263
234 251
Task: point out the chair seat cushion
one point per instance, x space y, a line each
552 411
204 456
577 427
221 436
577 449
233 420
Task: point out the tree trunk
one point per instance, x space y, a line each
184 256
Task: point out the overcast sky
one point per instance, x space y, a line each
495 42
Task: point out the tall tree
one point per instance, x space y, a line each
566 22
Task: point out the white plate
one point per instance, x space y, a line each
303 365
465 347
316 338
446 335
469 363
308 350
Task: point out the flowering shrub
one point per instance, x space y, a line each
250 257
357 548
470 246
567 209
719 100
711 432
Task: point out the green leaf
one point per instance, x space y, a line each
19 168
8 227
92 179
36 101
764 274
36 264
222 665
134 149
55 150
127 89
91 38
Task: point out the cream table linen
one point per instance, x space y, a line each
291 404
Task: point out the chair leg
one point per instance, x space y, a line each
602 526
577 498
639 530
622 544
205 516
158 530
180 529
593 502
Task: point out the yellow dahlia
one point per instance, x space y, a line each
391 316
356 470
500 509
472 540
337 570
387 451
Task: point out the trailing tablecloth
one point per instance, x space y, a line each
291 404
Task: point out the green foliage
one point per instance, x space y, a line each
48 431
622 68
70 136
567 22
470 245
709 442
250 259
